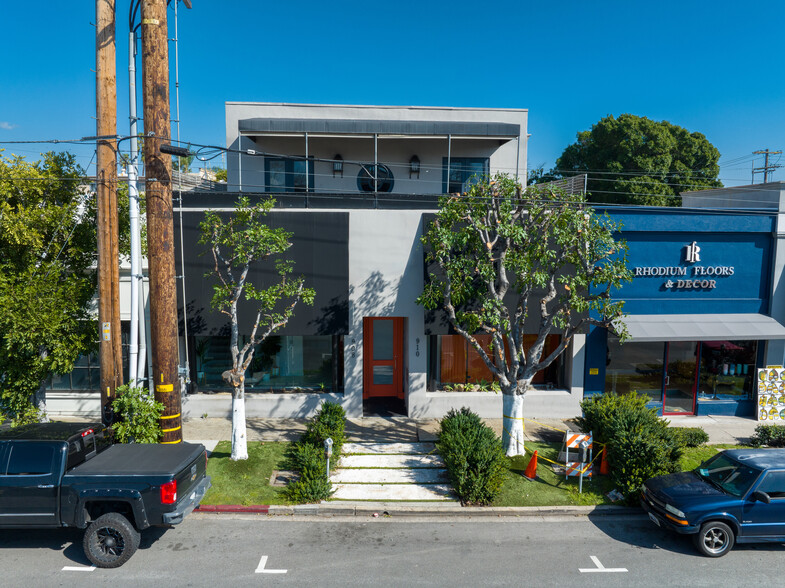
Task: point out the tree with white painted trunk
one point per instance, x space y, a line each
500 252
238 241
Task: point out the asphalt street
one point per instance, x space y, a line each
252 550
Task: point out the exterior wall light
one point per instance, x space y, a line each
414 166
337 165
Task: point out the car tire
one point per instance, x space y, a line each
110 541
714 539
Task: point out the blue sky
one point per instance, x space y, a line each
712 67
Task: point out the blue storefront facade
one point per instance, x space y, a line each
698 312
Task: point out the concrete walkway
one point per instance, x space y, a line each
391 472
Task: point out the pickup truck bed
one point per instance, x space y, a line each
138 460
66 475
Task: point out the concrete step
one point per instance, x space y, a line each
403 476
391 461
378 492
389 448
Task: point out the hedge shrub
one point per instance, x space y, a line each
308 457
640 444
138 415
329 422
768 435
690 436
473 455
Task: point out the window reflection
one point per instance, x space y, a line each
727 369
454 365
281 364
634 367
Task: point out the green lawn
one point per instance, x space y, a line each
246 482
552 490
549 489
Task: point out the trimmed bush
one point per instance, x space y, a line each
329 422
138 415
313 484
690 436
308 457
769 436
640 444
600 410
473 455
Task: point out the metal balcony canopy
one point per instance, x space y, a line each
703 327
479 130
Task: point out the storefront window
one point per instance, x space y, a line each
281 364
454 365
634 367
727 370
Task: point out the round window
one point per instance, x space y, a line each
384 178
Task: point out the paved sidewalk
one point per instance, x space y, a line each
721 429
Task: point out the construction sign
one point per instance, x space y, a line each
771 393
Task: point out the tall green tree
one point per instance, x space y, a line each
635 160
239 243
47 277
499 254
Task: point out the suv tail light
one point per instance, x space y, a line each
169 492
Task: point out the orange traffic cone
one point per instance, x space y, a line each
531 469
604 462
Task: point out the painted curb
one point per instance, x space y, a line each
389 509
256 509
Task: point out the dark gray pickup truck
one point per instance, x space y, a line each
70 475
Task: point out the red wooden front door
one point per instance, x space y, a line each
382 357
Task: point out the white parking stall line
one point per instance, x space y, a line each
78 569
600 567
261 568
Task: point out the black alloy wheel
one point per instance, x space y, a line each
110 541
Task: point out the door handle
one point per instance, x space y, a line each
46 486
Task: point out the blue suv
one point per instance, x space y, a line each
736 496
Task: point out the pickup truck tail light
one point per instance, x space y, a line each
169 492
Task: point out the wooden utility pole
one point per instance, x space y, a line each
109 350
766 169
160 224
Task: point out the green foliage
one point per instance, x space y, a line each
139 414
640 444
496 248
329 422
635 160
220 174
640 450
473 455
307 456
690 436
768 436
313 486
601 410
47 275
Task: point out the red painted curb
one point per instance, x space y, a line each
257 508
